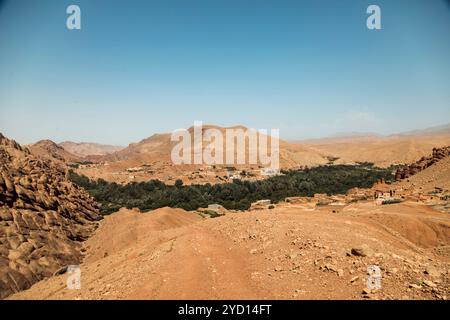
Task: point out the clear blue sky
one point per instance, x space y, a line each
309 68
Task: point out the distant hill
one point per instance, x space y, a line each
437 130
151 159
49 149
83 149
384 151
158 147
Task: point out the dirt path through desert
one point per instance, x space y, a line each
284 253
201 265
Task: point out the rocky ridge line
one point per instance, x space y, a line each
425 162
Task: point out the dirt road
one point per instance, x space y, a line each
285 253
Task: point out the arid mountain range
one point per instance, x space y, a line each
296 250
302 248
151 157
84 149
402 148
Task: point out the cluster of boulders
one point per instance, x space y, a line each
422 164
43 218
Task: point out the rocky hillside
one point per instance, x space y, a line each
49 149
434 181
424 162
43 218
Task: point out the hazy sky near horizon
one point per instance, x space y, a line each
309 68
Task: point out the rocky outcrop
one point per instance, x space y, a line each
43 218
425 162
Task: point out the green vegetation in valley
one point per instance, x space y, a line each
76 165
238 195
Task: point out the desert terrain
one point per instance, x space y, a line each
284 253
317 247
150 158
383 151
86 149
44 217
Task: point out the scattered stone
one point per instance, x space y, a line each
278 268
366 291
363 251
432 271
393 270
415 286
429 283
292 255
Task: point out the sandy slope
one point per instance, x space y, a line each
383 151
289 252
83 149
437 175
